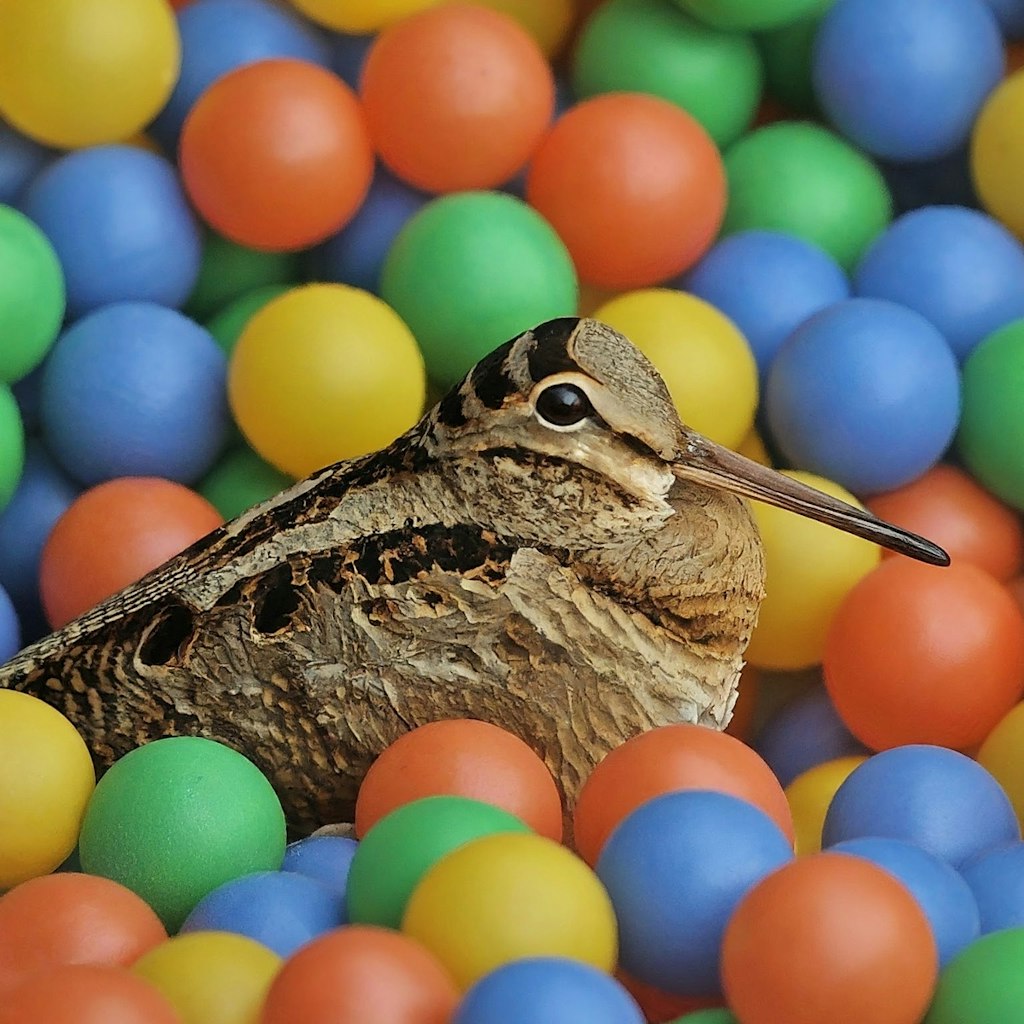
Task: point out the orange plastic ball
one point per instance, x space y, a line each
81 994
456 97
462 757
917 654
358 973
949 507
275 155
633 185
744 711
670 758
665 1007
112 535
71 918
832 938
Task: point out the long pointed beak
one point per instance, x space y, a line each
704 462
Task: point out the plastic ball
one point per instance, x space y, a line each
71 918
134 389
789 947
991 429
984 984
650 47
360 16
356 255
218 36
547 990
921 655
934 798
949 507
958 268
809 570
85 994
768 284
240 480
12 445
787 55
21 159
1000 755
405 844
327 859
275 155
337 976
905 79
548 21
701 852
10 627
31 295
673 757
440 274
46 779
323 373
751 15
278 909
854 377
997 153
649 208
119 222
942 893
945 182
666 1006
803 180
465 758
456 97
178 817
227 326
810 795
77 74
112 535
996 878
508 896
705 361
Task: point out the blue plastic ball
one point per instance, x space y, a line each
675 869
21 159
121 226
356 254
996 877
218 36
865 393
941 891
767 283
547 990
326 859
135 389
945 182
10 628
281 909
348 54
960 269
1010 15
905 79
803 733
935 798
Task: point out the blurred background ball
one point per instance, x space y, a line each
21 159
997 153
360 17
649 208
439 276
12 445
1000 755
751 15
323 373
227 326
994 878
787 55
852 378
811 793
121 226
240 480
548 21
82 72
10 627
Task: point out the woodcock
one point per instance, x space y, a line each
549 549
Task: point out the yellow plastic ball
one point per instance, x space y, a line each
82 72
809 569
809 796
752 446
46 779
548 21
211 977
323 373
360 17
509 896
705 360
1002 754
997 153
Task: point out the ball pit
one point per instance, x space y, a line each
810 795
994 877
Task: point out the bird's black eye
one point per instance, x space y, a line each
563 405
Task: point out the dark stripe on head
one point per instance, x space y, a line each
550 353
449 410
489 380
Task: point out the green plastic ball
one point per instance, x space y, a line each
31 295
984 984
991 435
176 818
12 445
803 180
651 46
718 1015
471 270
227 326
399 850
786 53
751 15
240 480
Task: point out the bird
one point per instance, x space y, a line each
550 549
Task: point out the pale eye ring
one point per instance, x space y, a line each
563 405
